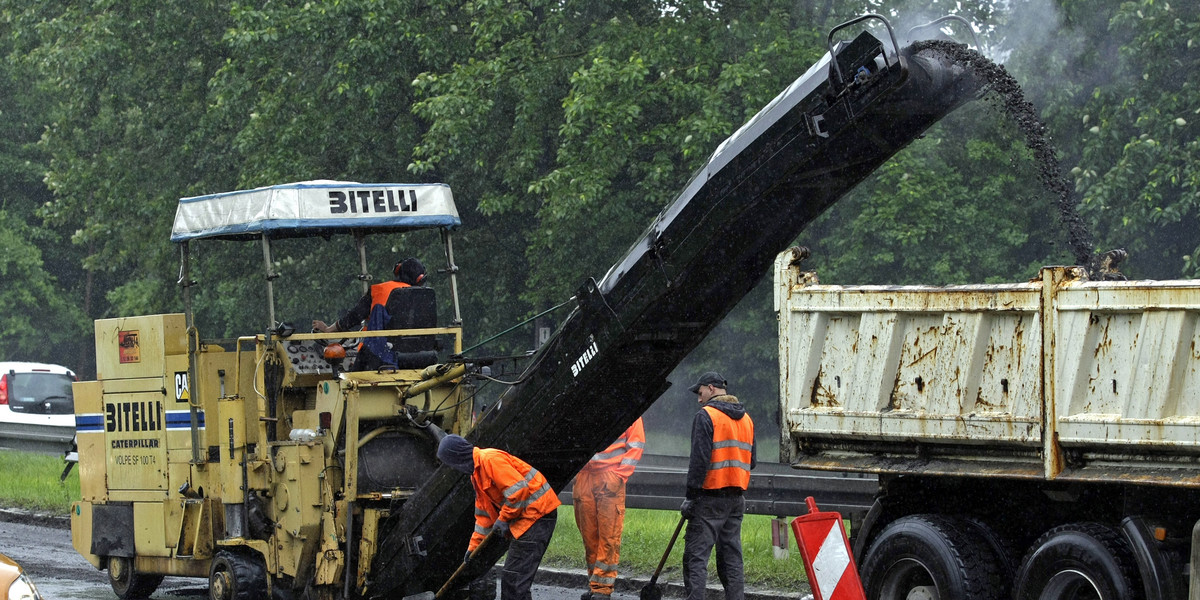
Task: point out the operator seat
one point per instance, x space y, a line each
413 308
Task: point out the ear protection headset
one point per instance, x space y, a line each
396 273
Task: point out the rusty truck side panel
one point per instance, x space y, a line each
1056 378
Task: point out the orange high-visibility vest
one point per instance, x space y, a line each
379 297
733 443
381 291
622 456
507 489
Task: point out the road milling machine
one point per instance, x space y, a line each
265 463
268 468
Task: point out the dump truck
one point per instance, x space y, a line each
1032 440
269 464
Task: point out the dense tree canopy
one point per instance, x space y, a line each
563 128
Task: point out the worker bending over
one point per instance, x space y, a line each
512 498
599 500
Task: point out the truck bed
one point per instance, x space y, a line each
1055 378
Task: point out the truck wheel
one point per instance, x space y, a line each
127 583
236 576
1002 545
1083 561
931 557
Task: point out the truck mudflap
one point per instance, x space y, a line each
610 358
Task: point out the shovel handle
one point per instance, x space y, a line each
670 545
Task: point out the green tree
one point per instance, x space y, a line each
129 80
1139 169
40 275
961 205
38 321
563 128
582 120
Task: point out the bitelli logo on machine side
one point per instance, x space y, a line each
133 416
588 354
372 201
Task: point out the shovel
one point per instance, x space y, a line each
650 591
427 595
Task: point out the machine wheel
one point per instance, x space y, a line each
1079 561
236 576
932 557
127 583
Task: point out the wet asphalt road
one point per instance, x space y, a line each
61 574
43 547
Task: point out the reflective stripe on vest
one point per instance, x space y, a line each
513 499
733 442
623 455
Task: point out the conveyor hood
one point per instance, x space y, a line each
610 358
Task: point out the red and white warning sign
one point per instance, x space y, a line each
826 552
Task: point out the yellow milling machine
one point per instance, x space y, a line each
266 462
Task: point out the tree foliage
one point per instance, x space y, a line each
1139 170
563 128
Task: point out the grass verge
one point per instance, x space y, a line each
30 481
645 538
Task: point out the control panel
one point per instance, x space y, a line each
307 357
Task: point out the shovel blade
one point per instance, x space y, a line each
650 592
427 595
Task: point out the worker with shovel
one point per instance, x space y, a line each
512 499
718 474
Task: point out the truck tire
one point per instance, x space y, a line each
932 557
1007 553
1079 560
236 576
127 583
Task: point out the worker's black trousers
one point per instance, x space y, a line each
524 556
716 522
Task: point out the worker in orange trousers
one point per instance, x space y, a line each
599 501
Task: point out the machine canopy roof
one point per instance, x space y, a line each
315 208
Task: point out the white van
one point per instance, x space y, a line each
37 394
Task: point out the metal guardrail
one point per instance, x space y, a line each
659 482
40 438
776 489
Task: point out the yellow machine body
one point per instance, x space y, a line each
258 449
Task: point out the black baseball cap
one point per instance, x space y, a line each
709 378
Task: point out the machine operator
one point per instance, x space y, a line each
373 312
